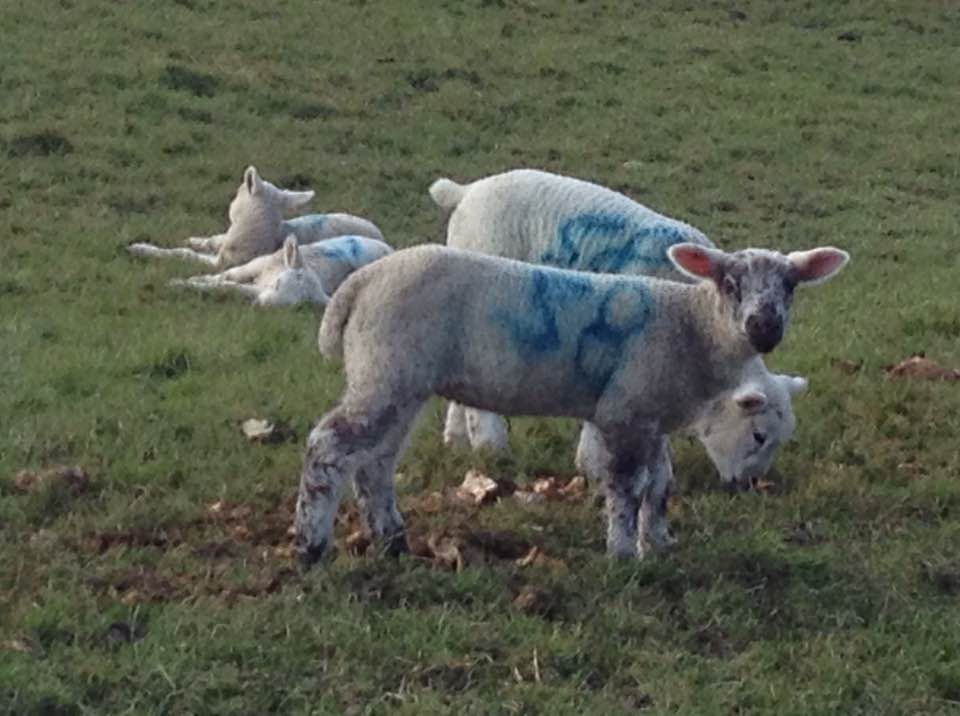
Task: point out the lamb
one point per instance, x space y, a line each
257 226
636 357
295 273
539 217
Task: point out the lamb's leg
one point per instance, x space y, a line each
625 476
151 251
207 244
215 283
250 271
591 453
455 427
373 485
653 529
347 438
487 430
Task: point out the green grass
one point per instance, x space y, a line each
763 123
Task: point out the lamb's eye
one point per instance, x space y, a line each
731 287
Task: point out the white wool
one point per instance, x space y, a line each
257 226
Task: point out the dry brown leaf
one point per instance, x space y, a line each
530 599
764 486
446 551
545 485
74 477
357 542
528 497
576 486
18 645
478 488
536 557
258 430
919 366
847 366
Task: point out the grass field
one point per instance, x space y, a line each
166 586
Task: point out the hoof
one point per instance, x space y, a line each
309 555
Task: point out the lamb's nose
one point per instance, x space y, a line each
765 331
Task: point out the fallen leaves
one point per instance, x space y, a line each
263 431
546 489
478 488
74 478
919 366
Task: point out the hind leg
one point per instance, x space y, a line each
487 430
207 244
348 438
373 484
455 426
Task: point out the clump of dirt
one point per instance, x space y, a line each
74 478
919 366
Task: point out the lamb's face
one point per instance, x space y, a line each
742 431
291 286
758 285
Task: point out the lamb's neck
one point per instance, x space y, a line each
725 349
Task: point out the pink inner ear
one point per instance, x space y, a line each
819 263
694 260
752 402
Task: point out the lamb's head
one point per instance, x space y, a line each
295 283
755 286
257 194
742 430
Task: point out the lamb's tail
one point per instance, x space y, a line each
446 193
337 314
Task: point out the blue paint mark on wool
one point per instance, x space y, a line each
312 222
620 311
341 248
612 243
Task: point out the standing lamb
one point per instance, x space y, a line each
546 218
257 226
636 357
295 274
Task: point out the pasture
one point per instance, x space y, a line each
165 584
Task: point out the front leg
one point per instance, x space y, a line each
206 244
622 458
216 283
151 251
653 528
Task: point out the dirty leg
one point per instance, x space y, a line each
373 485
341 442
652 527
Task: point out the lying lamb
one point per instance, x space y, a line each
295 274
257 226
539 217
636 357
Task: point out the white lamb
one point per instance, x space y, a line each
257 226
635 357
295 274
546 218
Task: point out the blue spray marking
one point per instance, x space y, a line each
623 310
612 243
308 222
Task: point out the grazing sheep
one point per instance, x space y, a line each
539 217
636 357
295 274
257 226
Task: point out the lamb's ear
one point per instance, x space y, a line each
698 261
817 265
295 199
291 253
795 384
252 180
750 399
